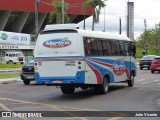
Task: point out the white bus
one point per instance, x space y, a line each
70 58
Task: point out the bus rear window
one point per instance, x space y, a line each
58 31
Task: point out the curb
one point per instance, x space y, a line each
18 70
10 80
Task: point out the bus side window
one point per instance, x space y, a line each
99 46
122 48
127 48
110 48
94 47
117 48
87 46
112 43
104 46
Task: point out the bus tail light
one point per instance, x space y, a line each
35 68
79 67
35 64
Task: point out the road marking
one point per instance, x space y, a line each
156 80
140 80
47 105
144 83
5 108
30 107
115 118
76 118
52 106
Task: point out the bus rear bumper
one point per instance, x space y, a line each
58 81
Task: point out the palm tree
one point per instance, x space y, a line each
97 5
56 15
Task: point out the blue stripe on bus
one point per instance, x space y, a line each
102 71
79 78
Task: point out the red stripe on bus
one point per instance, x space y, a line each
96 72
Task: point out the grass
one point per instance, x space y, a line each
149 52
4 66
137 60
4 76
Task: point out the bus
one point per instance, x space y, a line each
69 58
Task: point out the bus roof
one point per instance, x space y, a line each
85 33
99 34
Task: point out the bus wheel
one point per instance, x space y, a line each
67 90
104 88
84 87
131 81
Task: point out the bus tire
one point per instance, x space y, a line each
104 87
26 82
152 71
67 90
131 81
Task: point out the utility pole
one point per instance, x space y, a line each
104 19
130 20
120 26
62 11
84 23
36 18
145 28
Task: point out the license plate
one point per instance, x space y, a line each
57 81
30 77
145 65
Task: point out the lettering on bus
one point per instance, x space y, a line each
118 67
70 63
57 43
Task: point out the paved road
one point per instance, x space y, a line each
144 96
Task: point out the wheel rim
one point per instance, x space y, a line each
132 80
105 85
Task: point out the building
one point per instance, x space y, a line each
19 16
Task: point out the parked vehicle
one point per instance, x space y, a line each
146 60
27 73
155 65
14 57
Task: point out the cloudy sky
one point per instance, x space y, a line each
115 9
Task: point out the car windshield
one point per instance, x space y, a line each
31 62
148 58
157 59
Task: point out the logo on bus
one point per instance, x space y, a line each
56 43
118 68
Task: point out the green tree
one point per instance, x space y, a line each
97 5
150 39
56 15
